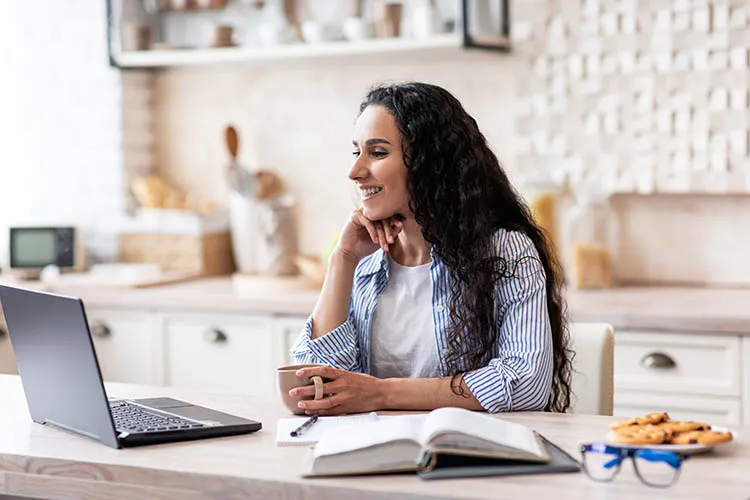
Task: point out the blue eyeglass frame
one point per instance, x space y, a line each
671 458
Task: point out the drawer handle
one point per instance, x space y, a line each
100 329
658 361
215 336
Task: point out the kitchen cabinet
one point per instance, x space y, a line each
128 344
287 330
220 353
691 376
7 360
206 351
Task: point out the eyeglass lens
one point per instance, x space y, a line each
657 468
602 465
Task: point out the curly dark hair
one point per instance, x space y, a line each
461 196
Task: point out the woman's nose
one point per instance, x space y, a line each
358 169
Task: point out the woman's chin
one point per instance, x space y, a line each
376 214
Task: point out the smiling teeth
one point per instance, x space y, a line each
371 191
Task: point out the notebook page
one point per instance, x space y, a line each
366 434
286 425
480 425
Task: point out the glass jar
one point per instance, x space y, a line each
592 235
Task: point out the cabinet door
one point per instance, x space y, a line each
220 353
128 345
712 410
286 332
7 360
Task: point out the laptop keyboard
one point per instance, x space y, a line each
133 418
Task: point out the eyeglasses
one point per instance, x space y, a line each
659 468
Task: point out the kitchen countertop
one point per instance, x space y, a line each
704 310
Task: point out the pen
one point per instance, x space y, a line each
304 427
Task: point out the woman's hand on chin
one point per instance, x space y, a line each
362 236
345 392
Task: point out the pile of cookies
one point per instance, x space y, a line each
657 428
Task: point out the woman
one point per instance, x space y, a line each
441 291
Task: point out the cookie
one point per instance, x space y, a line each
651 418
641 434
680 426
701 437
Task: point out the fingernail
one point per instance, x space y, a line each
298 373
293 392
301 404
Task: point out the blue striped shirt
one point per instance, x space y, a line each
519 375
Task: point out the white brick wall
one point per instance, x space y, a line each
679 71
60 121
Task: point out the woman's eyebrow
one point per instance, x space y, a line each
377 140
372 142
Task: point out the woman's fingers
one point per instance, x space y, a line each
388 229
382 232
362 221
382 241
324 371
320 404
392 227
396 226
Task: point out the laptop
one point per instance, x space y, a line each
63 384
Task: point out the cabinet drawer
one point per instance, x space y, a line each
128 345
220 353
718 411
677 363
7 359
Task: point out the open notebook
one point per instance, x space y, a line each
417 443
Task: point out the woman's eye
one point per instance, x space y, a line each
379 154
355 153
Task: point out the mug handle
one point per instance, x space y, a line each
318 387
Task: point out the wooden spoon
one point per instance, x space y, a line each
233 141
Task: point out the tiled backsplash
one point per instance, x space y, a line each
683 239
650 95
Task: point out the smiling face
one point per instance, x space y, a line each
378 168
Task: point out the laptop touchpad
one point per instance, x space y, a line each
162 403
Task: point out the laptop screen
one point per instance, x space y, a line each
57 362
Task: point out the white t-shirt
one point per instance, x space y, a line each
403 330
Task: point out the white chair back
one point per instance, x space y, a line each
593 368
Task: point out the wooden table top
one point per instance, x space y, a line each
41 461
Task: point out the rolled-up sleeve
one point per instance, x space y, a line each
519 377
338 348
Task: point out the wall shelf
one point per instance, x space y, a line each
485 24
440 46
